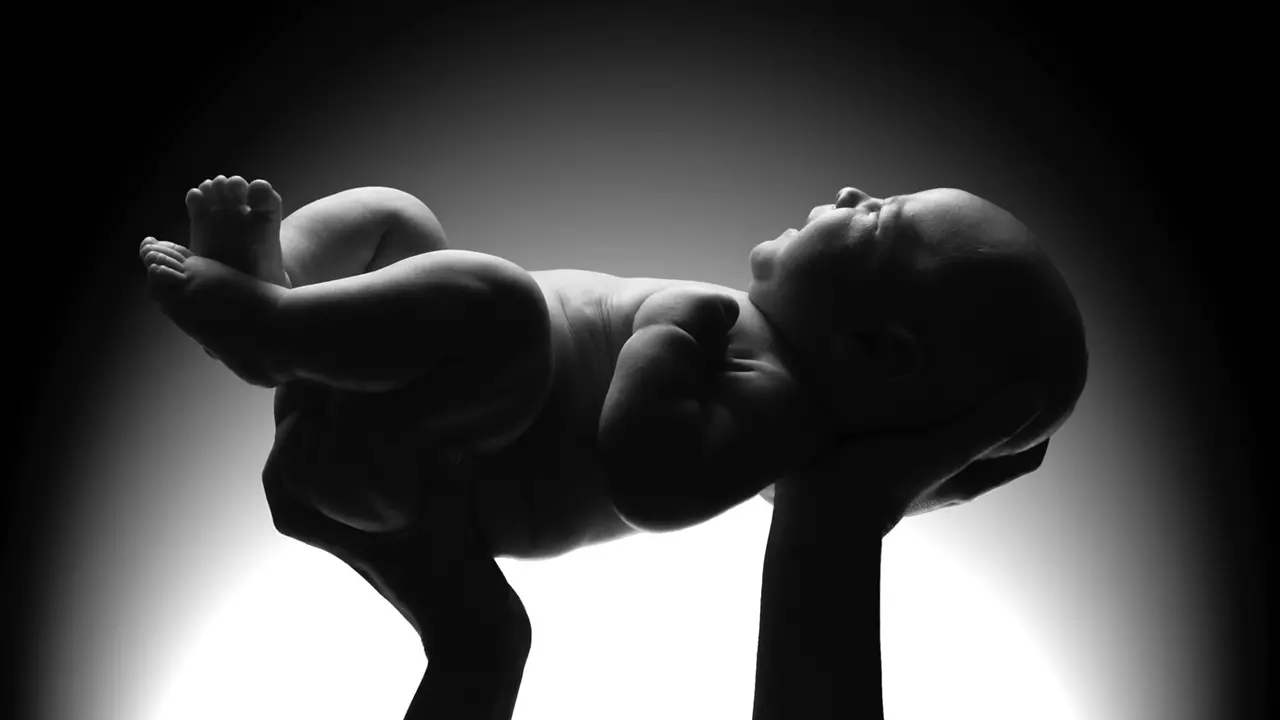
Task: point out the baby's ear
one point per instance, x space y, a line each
891 351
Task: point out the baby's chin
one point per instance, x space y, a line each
761 262
762 255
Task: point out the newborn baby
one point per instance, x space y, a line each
592 406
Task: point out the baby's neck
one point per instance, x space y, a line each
836 419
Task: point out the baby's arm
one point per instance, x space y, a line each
376 302
687 432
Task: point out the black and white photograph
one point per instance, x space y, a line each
705 361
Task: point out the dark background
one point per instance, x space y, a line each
106 93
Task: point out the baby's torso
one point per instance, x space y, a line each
545 494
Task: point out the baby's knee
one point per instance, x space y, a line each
408 218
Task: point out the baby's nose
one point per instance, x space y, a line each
850 197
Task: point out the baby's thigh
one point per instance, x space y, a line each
476 346
482 401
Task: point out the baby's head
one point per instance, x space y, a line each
914 310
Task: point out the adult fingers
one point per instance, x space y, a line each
919 459
987 474
447 515
951 447
296 395
290 460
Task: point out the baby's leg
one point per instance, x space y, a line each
354 458
341 326
378 303
367 445
357 258
237 223
479 314
354 232
349 233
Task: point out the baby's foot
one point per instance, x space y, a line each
238 224
223 309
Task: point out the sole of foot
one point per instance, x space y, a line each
237 223
227 311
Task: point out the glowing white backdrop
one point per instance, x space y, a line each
1077 593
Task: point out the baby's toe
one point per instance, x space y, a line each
149 244
197 202
167 249
162 256
237 189
164 275
180 251
220 195
263 197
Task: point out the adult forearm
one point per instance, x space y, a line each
467 693
819 645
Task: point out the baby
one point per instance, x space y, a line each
592 406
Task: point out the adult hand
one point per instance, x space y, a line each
438 573
887 476
819 643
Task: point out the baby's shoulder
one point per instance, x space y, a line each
616 302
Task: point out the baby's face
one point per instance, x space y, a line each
808 280
912 310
